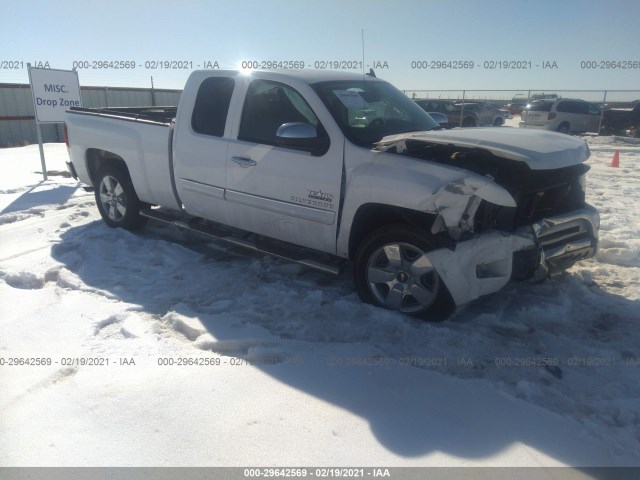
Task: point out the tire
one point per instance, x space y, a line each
498 122
392 271
469 122
563 128
116 198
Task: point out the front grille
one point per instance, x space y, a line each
538 195
533 206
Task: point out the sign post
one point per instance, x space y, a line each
53 91
41 148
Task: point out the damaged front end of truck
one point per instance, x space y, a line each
522 215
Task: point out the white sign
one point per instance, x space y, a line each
350 99
54 91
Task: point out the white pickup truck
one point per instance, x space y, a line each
323 167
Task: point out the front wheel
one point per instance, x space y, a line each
393 271
116 198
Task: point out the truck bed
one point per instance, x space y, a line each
140 135
163 115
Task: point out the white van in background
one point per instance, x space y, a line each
562 115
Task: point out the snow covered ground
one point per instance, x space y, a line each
290 368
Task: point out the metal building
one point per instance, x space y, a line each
17 121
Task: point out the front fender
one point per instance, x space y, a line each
409 183
456 202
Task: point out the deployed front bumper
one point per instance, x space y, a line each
485 264
566 239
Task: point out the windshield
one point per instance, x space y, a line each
368 110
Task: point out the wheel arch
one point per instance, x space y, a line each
564 122
116 199
97 158
470 121
372 216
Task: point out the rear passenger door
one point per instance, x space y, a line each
200 150
284 193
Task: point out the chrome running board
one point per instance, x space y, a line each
283 250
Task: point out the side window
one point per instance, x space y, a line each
571 106
212 105
269 105
582 107
593 110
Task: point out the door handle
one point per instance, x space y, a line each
243 162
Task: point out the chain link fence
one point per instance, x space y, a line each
612 98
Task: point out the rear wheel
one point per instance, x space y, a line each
563 128
116 198
393 271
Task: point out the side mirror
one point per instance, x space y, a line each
301 136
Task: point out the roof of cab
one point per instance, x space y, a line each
307 76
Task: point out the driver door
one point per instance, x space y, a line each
284 193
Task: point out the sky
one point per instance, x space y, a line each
512 44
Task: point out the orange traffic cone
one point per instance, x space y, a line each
615 162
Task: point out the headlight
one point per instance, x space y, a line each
582 181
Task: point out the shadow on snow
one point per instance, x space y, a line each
411 411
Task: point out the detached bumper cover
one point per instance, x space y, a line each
485 264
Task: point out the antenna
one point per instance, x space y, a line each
362 34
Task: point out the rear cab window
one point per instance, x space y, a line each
212 106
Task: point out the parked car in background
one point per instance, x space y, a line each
450 109
441 118
516 108
564 115
622 120
483 114
472 114
504 112
518 102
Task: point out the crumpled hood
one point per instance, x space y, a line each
539 149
